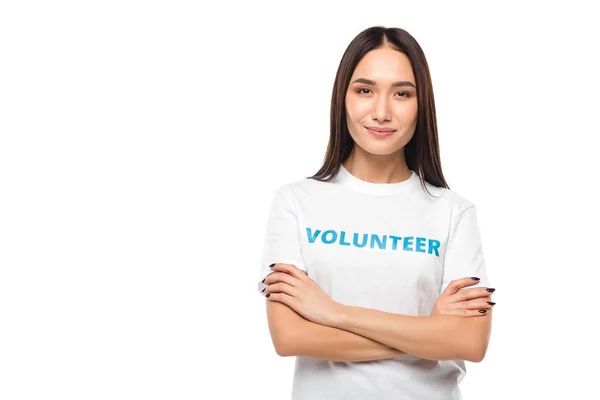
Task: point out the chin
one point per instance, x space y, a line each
379 149
381 146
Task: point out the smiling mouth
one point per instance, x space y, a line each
380 129
379 133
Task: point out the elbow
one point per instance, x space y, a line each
476 353
282 345
475 339
280 348
475 357
284 326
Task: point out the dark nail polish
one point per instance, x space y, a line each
265 288
491 303
490 289
263 281
475 278
482 311
268 295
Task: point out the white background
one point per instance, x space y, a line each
141 143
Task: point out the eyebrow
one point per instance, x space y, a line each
395 84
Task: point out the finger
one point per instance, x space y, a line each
470 294
477 304
281 288
456 284
467 313
282 298
280 277
475 313
463 313
289 269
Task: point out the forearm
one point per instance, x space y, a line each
333 344
439 337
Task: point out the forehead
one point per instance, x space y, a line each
384 66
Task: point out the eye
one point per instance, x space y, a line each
405 94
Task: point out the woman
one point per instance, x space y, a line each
366 264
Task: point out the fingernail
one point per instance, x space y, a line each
491 303
475 278
490 289
263 281
268 295
265 288
482 311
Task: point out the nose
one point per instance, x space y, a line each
381 109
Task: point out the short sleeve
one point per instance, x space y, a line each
281 240
464 251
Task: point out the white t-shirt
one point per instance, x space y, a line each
390 247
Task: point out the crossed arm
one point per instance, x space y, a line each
373 335
293 335
360 334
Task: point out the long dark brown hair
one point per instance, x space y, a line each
422 153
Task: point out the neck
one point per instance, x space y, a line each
373 168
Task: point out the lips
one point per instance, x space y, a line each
381 130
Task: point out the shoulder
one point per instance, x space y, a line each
457 203
448 200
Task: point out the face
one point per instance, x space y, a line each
376 100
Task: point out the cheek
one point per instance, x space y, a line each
413 110
407 112
355 108
357 111
349 109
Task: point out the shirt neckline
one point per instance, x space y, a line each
379 189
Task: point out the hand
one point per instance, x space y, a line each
467 302
291 286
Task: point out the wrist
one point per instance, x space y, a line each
340 315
